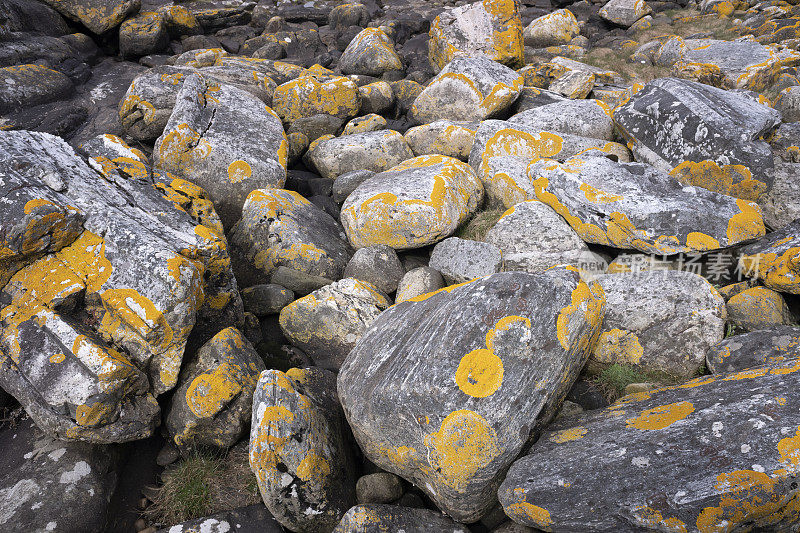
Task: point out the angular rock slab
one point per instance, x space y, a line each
633 205
489 28
281 228
371 53
209 140
413 204
99 16
211 407
373 150
299 450
90 333
755 348
585 118
775 259
327 323
709 136
659 321
251 519
725 451
448 408
370 518
468 88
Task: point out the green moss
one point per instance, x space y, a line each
476 227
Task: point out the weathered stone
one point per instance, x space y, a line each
143 34
633 205
532 238
381 487
575 84
788 104
90 332
297 281
347 183
211 407
775 259
266 299
310 95
488 28
316 126
744 423
374 150
558 27
418 281
148 103
452 423
371 122
209 139
740 352
251 519
381 517
757 308
29 85
377 97
281 228
445 137
624 12
327 323
461 260
180 21
99 16
468 88
779 205
585 118
415 203
298 449
659 321
705 136
377 265
372 53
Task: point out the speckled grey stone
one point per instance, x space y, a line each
461 260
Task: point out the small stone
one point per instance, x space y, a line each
377 97
558 27
347 183
307 96
373 150
445 137
316 126
575 84
297 281
382 487
418 281
167 455
371 122
372 53
145 33
461 260
266 299
377 265
625 12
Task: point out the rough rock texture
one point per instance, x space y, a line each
585 118
371 53
209 140
461 260
755 348
97 15
558 27
706 136
659 321
327 323
490 28
633 205
381 487
445 137
377 265
625 12
110 264
299 450
281 228
143 34
307 96
745 424
373 150
778 204
413 204
211 407
251 519
448 408
418 281
266 299
29 85
468 88
775 259
376 517
758 307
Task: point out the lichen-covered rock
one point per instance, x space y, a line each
310 95
145 33
29 85
92 330
373 150
209 140
418 281
489 28
461 260
553 29
445 137
371 53
266 299
251 519
745 424
372 518
371 122
299 451
585 118
659 321
533 238
211 407
468 88
346 183
377 265
758 307
633 205
755 348
788 104
380 487
377 97
413 204
624 12
705 136
448 408
775 259
778 205
281 228
99 16
575 84
327 323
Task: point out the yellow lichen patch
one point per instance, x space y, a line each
307 96
57 358
239 171
747 497
93 415
526 512
661 417
182 148
480 373
653 519
464 444
789 448
314 469
567 435
584 302
598 196
449 288
732 180
509 141
700 241
209 392
618 346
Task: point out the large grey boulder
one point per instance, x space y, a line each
381 517
448 408
624 12
775 259
723 449
99 16
755 348
372 150
585 118
553 29
370 53
461 260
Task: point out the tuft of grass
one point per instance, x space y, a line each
204 484
613 379
476 227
